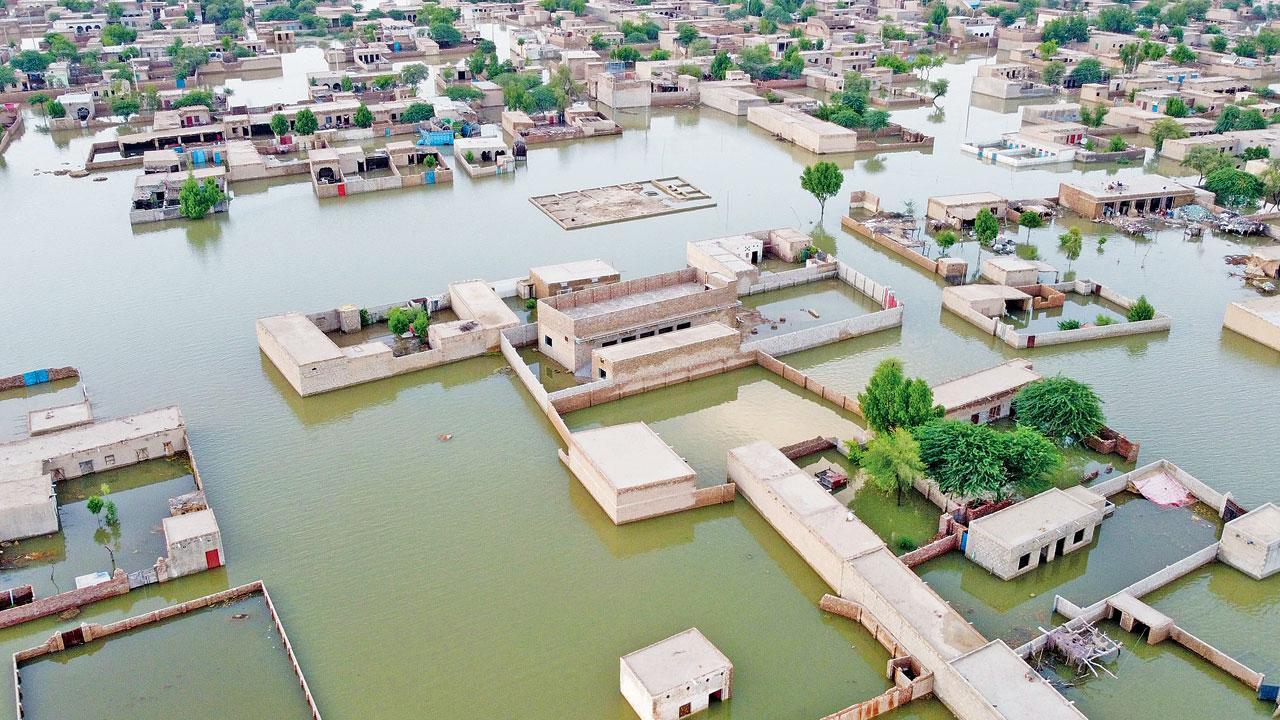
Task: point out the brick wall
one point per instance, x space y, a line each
54 604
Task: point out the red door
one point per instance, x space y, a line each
212 559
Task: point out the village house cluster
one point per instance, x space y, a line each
413 93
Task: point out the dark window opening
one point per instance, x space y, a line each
1079 536
603 374
666 329
1024 561
547 339
607 343
684 325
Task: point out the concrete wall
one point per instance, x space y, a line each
54 604
826 334
791 278
123 453
991 553
1252 326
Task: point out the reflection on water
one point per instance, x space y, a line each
482 551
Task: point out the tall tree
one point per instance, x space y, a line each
892 401
823 181
892 461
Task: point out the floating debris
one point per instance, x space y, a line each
240 616
444 437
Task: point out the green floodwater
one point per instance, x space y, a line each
476 577
207 658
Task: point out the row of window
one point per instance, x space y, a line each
1025 560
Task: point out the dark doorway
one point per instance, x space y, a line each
715 696
1062 546
1044 554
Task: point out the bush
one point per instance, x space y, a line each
418 112
55 109
1068 324
531 303
891 400
398 321
1141 310
1103 320
973 461
1060 407
905 544
464 93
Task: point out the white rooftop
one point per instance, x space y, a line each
300 337
1005 377
189 525
631 456
1023 522
1015 690
1262 523
675 661
576 270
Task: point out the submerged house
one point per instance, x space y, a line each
338 172
156 196
1023 536
676 677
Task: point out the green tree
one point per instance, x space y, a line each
965 459
720 65
823 181
418 112
1047 50
7 77
986 227
893 401
279 125
305 123
1270 179
686 34
196 198
31 61
1030 220
413 74
1060 408
398 320
1117 19
1117 144
363 116
1205 159
939 88
1028 456
1071 244
1053 72
892 461
445 34
195 97
1166 129
1182 55
1218 43
116 34
626 53
125 105
1142 310
937 14
1227 119
945 239
1176 108
463 92
55 109
1088 70
1233 188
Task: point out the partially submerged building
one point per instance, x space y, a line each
631 472
1257 319
1251 542
338 172
571 326
796 126
30 467
561 278
986 395
313 363
1136 194
157 196
961 210
1025 535
676 677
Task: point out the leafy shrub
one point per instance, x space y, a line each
1141 310
1068 324
1059 407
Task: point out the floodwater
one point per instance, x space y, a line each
476 577
208 663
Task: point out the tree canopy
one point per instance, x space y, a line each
973 461
196 199
822 180
892 461
1060 408
893 401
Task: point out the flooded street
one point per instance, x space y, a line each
476 578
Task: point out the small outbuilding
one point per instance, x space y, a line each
1021 537
1251 542
631 472
1257 319
547 280
676 677
194 542
1016 272
961 210
986 395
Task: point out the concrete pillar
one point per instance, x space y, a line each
349 318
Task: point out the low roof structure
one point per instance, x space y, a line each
300 338
666 341
1024 522
475 300
671 663
974 388
990 670
631 456
569 272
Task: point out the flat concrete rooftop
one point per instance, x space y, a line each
48 420
1003 378
189 525
666 341
576 270
1025 521
1015 690
300 338
982 291
1264 308
87 437
1130 186
631 456
633 300
962 199
673 662
1263 523
482 304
